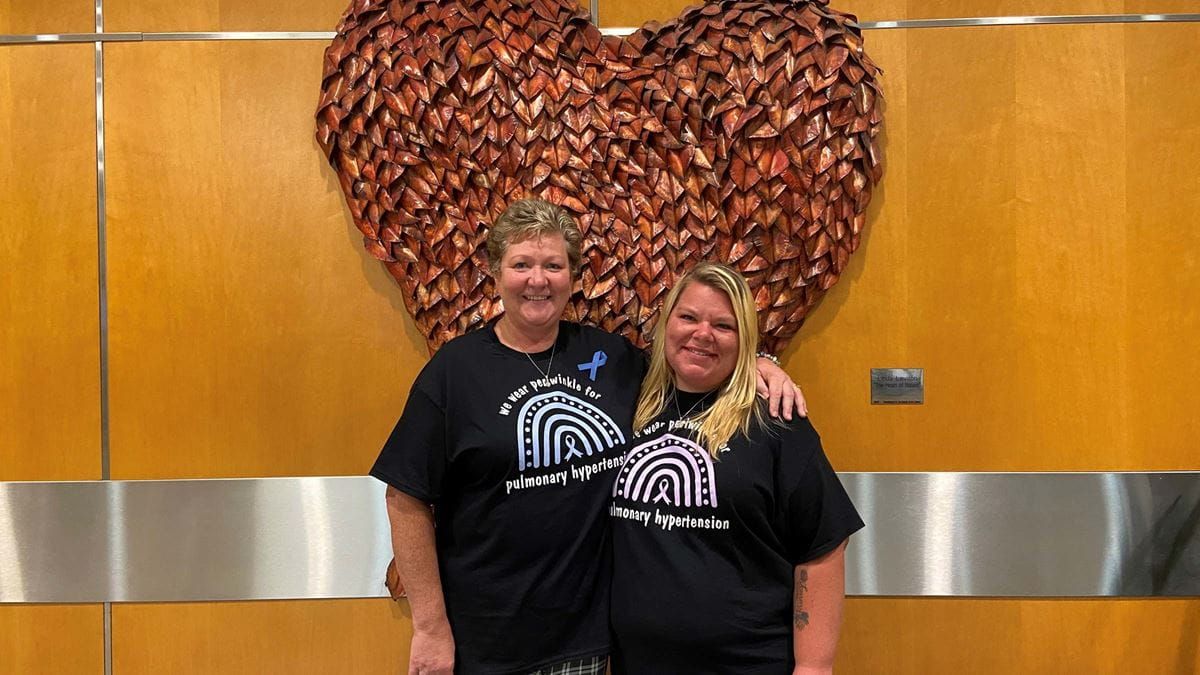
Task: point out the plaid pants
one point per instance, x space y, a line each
591 665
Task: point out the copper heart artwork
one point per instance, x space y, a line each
743 131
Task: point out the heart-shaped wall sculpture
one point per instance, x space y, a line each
743 132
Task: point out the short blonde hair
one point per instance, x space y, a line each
736 405
528 219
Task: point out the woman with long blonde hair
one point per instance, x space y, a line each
729 528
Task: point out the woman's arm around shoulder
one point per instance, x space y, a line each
776 386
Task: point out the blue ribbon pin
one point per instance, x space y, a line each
598 359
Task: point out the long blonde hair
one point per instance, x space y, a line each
736 405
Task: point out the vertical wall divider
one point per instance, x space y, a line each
102 294
102 247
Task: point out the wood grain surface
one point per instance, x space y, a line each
249 335
58 639
49 307
355 637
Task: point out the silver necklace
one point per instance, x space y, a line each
682 415
549 364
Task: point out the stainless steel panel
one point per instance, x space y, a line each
124 541
941 534
1026 534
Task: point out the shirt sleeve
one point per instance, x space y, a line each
414 458
817 514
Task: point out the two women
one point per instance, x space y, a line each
729 528
513 434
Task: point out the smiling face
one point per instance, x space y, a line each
701 338
534 280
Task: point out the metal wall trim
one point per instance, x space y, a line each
102 296
244 35
67 38
982 21
961 22
102 248
927 534
1054 20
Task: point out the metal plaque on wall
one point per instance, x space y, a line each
897 386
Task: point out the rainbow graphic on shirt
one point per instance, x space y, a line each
668 471
554 428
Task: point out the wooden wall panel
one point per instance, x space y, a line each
250 333
629 14
222 15
894 635
51 639
1162 317
921 9
356 637
49 327
1049 637
1160 6
1042 261
1070 233
23 17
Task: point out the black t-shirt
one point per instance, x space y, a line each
705 550
519 468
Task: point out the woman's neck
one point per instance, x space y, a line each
694 387
525 340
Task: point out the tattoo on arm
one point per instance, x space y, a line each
799 616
